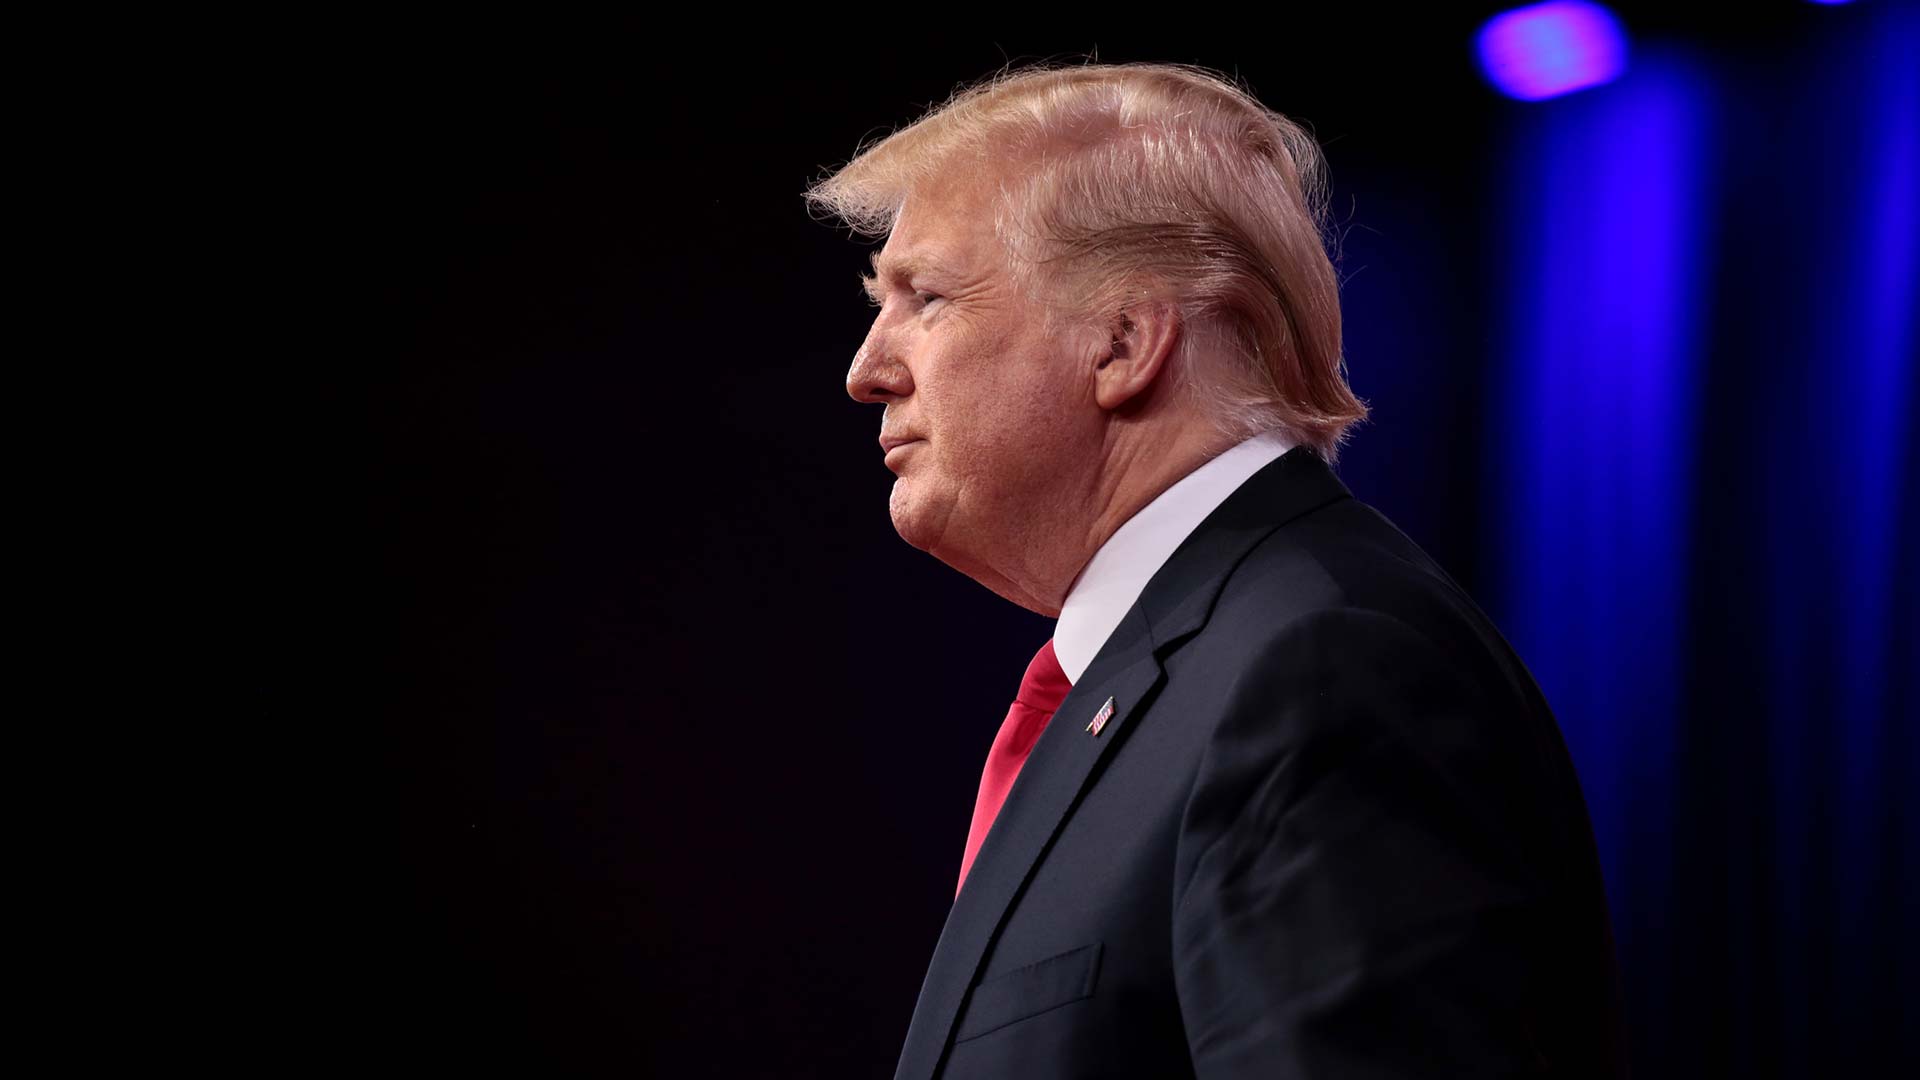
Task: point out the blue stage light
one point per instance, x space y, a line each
1545 50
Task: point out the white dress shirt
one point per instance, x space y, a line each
1114 578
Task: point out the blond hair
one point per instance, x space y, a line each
1148 180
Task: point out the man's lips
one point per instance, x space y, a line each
888 443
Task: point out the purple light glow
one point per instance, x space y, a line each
1546 50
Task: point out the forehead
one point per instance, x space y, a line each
944 227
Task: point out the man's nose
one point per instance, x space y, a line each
877 375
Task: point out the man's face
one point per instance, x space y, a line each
999 416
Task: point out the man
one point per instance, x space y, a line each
1276 800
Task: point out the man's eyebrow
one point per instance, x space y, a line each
893 271
900 269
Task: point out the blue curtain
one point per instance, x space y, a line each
1700 500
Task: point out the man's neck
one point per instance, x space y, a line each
1116 575
1136 467
1133 478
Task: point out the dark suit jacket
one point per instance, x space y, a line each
1330 830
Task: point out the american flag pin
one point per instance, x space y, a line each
1100 718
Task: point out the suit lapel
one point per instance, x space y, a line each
1066 758
1050 782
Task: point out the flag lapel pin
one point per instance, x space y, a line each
1100 718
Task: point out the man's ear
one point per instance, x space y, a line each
1143 338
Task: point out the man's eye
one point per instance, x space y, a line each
926 298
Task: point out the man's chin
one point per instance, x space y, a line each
910 531
910 520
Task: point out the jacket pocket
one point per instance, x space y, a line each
1029 991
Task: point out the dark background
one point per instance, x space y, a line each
678 742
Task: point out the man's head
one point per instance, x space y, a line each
1094 279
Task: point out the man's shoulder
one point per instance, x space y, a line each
1345 569
1344 555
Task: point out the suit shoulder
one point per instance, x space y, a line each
1345 562
1342 555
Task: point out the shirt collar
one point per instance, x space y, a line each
1116 575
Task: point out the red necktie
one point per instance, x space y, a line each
1042 690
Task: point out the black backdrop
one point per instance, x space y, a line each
678 742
